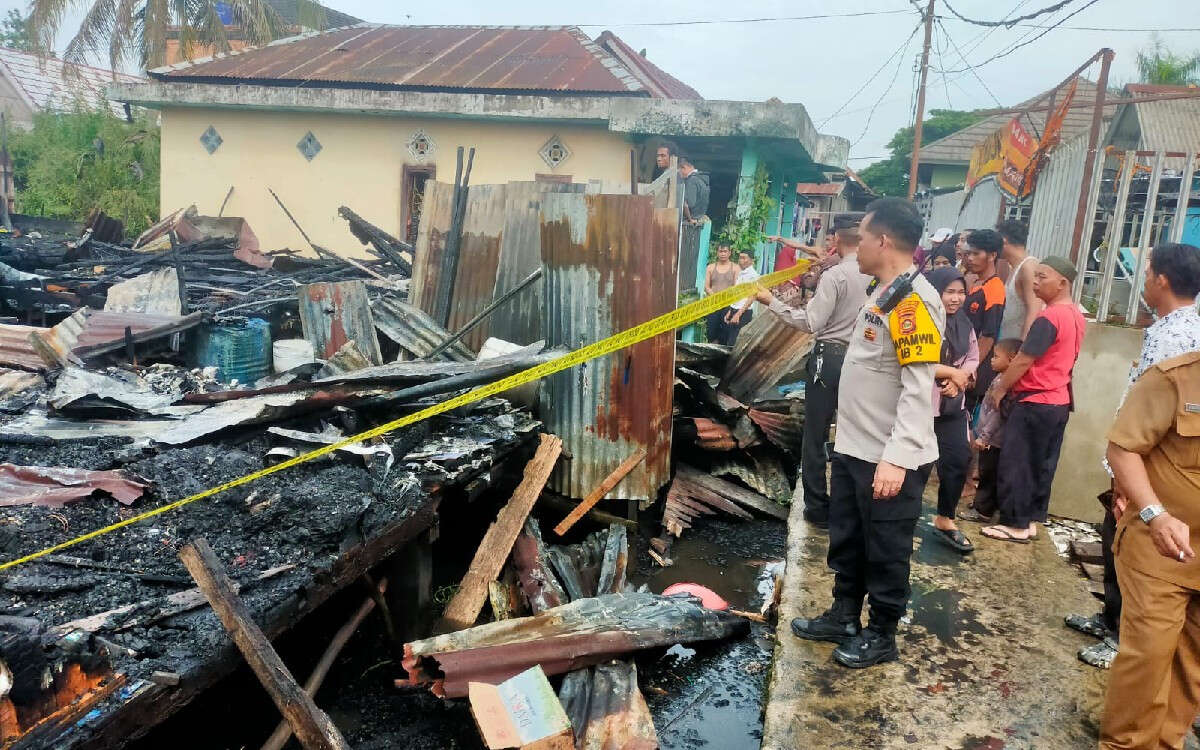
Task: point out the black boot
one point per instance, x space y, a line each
838 624
868 648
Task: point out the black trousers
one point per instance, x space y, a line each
986 500
729 331
954 456
871 541
714 327
820 406
1033 437
1112 589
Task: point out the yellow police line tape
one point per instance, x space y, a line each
663 323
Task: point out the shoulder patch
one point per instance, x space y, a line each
914 332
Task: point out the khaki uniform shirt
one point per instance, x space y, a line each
833 310
1160 420
885 407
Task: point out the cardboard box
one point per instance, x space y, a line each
522 712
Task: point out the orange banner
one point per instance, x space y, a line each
1006 154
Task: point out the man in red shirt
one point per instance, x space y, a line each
1038 386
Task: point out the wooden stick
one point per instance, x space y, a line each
312 726
610 481
283 732
464 608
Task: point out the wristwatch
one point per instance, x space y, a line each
1151 512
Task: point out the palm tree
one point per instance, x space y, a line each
136 31
1159 65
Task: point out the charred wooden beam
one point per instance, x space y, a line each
531 561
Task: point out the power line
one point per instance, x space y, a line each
895 75
974 72
707 21
874 75
1014 47
945 80
1008 23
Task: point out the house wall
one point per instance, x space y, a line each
947 175
359 165
16 111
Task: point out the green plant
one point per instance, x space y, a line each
745 231
1158 65
70 163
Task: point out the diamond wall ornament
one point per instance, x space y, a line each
211 139
555 152
421 146
309 146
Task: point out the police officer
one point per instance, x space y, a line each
885 434
831 315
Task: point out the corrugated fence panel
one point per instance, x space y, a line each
981 209
431 239
1056 200
944 212
519 320
610 264
478 258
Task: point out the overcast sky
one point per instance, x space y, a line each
820 63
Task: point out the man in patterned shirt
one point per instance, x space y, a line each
1172 284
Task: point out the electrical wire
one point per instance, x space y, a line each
708 21
974 72
1014 47
873 76
1006 22
895 75
945 80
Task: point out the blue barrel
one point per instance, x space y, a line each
240 351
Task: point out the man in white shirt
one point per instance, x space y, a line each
739 313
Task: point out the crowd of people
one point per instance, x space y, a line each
961 354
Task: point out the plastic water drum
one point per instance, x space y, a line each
289 353
240 351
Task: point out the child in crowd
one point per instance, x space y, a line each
989 435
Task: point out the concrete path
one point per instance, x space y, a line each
985 660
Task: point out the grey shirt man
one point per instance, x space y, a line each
833 309
885 412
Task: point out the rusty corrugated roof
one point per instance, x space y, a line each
659 82
559 59
84 329
766 350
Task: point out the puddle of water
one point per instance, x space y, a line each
711 565
940 612
930 549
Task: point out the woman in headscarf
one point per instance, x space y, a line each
960 357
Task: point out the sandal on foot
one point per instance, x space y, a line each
1093 626
1001 534
1100 655
955 539
970 514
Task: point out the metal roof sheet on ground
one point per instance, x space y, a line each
956 147
41 82
489 58
765 351
414 330
84 329
610 265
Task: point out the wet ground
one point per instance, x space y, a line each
708 696
985 662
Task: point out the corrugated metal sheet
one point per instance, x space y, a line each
766 350
42 83
84 329
54 486
1056 200
415 332
431 240
335 313
610 265
479 257
498 58
943 210
1169 125
659 82
520 320
981 208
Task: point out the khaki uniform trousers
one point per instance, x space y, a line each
1154 684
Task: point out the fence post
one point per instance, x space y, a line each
1185 195
1116 231
1136 283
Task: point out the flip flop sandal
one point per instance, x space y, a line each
1093 626
955 539
1001 535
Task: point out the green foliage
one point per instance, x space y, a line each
890 176
745 232
70 163
1158 65
14 32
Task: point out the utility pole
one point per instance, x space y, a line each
918 126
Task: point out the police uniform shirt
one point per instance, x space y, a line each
885 411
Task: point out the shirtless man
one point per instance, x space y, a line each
1021 305
717 278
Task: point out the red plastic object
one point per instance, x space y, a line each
708 598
